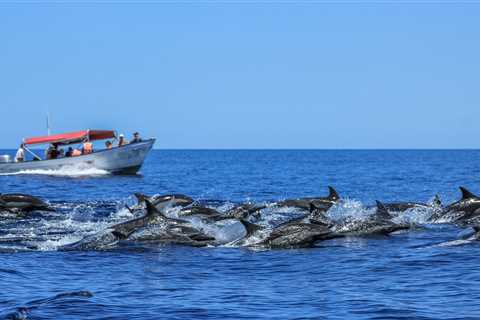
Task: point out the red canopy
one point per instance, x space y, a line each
72 137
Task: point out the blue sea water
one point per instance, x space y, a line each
425 273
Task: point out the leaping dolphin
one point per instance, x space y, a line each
23 203
407 205
178 199
468 207
380 223
292 234
320 202
117 232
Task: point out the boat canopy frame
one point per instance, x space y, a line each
68 139
71 137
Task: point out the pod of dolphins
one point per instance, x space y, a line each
154 225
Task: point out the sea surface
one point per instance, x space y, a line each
429 272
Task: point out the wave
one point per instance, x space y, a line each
62 172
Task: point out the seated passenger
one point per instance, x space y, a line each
87 148
48 152
136 138
52 152
122 141
108 145
69 152
20 156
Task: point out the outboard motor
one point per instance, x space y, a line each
5 158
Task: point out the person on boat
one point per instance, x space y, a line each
61 153
20 156
136 138
52 152
121 140
108 144
87 148
76 153
69 152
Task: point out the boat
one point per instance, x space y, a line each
125 159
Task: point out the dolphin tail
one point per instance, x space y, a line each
250 227
466 194
382 211
333 195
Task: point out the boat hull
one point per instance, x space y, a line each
127 159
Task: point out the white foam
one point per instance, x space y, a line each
67 171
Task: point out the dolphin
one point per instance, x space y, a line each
320 202
468 207
380 223
292 234
204 212
407 205
23 203
180 199
176 231
297 235
317 216
120 231
244 211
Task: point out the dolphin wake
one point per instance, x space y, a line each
70 171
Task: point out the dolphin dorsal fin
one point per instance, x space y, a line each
333 195
141 197
250 227
466 194
382 211
152 210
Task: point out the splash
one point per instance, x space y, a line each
348 209
66 171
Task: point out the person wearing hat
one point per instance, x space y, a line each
121 140
136 138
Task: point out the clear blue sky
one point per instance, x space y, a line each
245 75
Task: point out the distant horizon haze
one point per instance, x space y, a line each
323 76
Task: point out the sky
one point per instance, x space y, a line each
252 74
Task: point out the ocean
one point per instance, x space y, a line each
428 272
